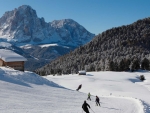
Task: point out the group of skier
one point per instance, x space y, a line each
85 104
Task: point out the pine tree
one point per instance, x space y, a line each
111 66
145 64
122 65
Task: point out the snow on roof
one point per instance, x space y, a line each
5 44
82 71
10 56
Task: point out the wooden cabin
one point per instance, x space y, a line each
12 59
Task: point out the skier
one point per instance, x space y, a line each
85 108
97 101
89 96
79 87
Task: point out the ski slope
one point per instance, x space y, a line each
26 92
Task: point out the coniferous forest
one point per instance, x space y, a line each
118 49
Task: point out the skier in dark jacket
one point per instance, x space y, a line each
85 107
97 101
79 87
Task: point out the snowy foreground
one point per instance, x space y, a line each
119 92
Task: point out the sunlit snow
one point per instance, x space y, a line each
119 92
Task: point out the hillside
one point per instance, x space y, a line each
116 49
28 92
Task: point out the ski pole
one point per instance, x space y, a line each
92 110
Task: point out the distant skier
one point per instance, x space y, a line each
89 96
85 107
97 101
79 87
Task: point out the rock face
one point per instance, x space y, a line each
71 32
21 26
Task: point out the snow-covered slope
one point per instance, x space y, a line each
26 92
22 26
125 85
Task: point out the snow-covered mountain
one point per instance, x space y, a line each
71 32
22 26
43 54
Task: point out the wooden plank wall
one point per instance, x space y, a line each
18 65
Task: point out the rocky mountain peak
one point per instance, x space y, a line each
26 10
22 11
74 31
22 25
63 22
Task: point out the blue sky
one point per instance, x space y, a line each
95 15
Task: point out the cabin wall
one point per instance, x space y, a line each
1 62
18 65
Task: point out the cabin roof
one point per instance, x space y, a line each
10 56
